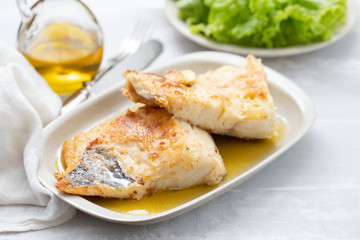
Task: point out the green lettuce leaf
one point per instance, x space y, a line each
264 23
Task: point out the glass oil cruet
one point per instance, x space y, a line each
62 40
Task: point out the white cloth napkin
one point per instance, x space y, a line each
27 104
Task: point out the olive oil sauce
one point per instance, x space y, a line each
238 155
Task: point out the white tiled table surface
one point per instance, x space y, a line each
311 192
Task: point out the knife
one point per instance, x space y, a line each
139 60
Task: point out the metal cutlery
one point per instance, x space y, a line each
139 60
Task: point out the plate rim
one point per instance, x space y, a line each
82 204
181 27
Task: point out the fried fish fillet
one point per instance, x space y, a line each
230 101
139 153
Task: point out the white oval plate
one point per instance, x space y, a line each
291 102
171 13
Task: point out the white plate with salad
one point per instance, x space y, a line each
256 41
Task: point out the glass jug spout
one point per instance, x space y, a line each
27 15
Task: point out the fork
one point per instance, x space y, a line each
141 33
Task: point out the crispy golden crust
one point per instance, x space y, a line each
230 101
147 149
